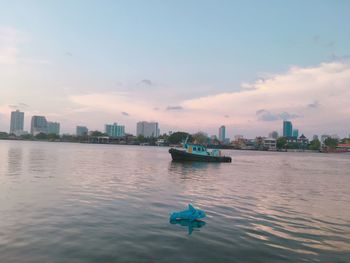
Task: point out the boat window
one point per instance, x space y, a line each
199 149
194 149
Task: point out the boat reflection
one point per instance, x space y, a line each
191 225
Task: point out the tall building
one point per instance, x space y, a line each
147 129
53 128
222 132
81 131
273 135
38 125
115 130
287 129
295 133
17 121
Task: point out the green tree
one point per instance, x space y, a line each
281 143
52 136
41 136
331 143
97 133
178 137
27 136
141 138
315 145
3 135
200 138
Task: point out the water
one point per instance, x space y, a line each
62 202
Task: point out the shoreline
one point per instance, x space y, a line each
215 147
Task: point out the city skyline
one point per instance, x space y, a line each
39 124
190 66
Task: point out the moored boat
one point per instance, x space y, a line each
197 153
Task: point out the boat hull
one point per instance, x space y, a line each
178 155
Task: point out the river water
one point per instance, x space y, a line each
63 202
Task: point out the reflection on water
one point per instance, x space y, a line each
190 225
104 203
15 161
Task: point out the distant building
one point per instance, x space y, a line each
270 143
303 140
147 129
115 130
315 137
38 125
287 129
295 133
53 128
81 131
17 121
222 133
273 134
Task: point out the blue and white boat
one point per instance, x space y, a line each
197 153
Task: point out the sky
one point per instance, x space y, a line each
189 65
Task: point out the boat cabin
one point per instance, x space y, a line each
201 150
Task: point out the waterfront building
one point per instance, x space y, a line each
287 129
147 129
303 140
17 121
115 130
81 131
273 134
38 125
270 143
53 128
222 133
295 133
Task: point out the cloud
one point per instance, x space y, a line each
287 116
294 95
265 115
340 58
284 96
125 113
314 105
174 108
147 82
11 41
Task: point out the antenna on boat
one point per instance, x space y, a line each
186 140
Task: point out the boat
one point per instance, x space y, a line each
197 153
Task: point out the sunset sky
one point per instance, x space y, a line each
190 65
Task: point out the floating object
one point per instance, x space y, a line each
191 214
191 225
197 153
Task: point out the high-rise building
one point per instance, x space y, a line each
295 133
115 130
315 137
222 133
38 125
287 129
17 121
273 135
81 131
147 129
53 128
